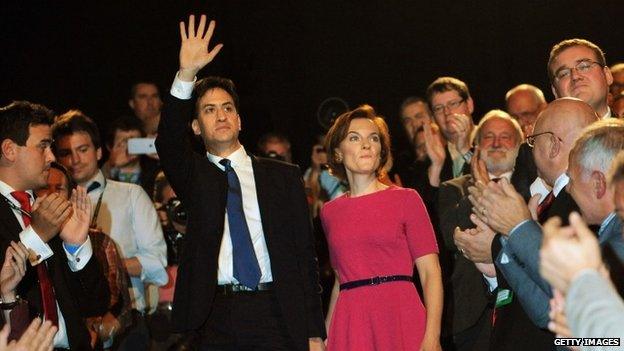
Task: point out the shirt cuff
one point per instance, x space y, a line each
33 241
515 229
492 282
181 89
79 259
152 270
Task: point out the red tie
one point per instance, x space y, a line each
544 206
45 283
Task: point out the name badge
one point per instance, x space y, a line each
504 297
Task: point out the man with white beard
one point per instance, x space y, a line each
497 139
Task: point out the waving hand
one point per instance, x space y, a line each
194 50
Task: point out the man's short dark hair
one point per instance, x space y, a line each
568 43
74 121
135 86
212 82
444 84
125 124
17 117
412 100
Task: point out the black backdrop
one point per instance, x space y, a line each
288 56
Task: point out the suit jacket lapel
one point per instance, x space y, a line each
8 221
263 184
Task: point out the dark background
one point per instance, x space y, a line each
287 57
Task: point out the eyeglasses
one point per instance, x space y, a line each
581 67
531 138
451 105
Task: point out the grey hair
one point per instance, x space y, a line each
597 146
476 133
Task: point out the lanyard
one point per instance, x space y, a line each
15 207
93 224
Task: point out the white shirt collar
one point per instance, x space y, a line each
236 158
6 190
98 177
560 183
506 175
608 114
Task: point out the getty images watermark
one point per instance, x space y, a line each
587 342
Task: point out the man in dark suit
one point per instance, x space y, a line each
518 259
498 138
65 285
248 279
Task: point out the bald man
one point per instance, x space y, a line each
525 102
515 250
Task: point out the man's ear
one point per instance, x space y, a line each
598 184
195 127
555 149
554 91
8 149
98 153
470 104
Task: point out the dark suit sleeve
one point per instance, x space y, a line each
534 300
523 244
452 212
308 262
173 145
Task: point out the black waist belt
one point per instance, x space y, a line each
375 281
239 288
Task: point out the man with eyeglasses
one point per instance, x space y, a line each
525 102
577 68
452 108
505 211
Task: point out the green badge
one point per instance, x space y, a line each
504 297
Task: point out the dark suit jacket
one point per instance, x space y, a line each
79 294
285 222
513 329
467 296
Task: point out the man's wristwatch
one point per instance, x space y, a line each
10 305
468 155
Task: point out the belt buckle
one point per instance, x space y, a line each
375 281
241 288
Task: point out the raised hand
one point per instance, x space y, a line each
194 52
76 229
475 244
462 125
49 212
566 251
499 206
37 337
13 270
433 145
478 169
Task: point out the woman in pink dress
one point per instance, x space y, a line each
376 233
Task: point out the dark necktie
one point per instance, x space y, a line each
93 186
48 299
246 268
544 206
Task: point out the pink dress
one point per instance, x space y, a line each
378 234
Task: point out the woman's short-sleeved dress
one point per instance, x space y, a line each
378 234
